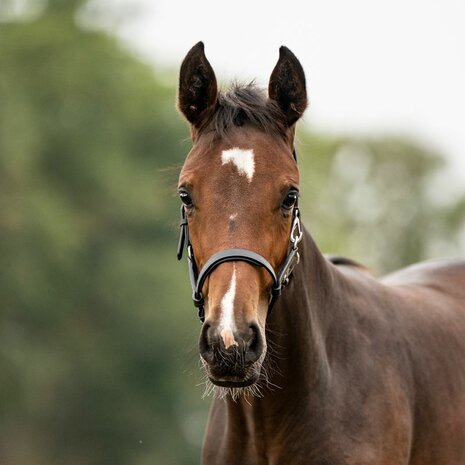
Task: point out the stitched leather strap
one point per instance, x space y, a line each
230 255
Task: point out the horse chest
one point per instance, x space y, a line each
314 433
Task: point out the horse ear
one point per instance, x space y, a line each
287 86
198 90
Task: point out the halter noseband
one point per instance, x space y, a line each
280 280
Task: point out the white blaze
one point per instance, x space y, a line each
227 323
242 159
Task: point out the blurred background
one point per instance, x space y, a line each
98 357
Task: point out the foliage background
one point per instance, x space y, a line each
98 359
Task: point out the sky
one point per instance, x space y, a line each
373 67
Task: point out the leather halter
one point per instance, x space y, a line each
280 279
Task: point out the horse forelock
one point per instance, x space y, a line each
246 105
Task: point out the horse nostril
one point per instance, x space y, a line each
254 344
205 343
213 350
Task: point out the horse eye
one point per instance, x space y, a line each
290 200
185 198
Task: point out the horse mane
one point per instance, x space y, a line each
246 104
344 261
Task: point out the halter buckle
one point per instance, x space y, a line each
296 231
293 264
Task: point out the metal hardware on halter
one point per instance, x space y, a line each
296 231
280 280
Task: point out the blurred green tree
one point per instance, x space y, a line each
375 200
89 341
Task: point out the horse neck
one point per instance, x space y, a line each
297 361
296 329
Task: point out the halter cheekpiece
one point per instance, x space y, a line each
280 279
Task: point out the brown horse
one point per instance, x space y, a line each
346 369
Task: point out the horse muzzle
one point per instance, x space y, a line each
232 359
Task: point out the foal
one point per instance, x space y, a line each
347 369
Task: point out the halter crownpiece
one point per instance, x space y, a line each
280 280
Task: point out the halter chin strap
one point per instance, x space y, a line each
280 280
